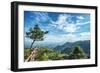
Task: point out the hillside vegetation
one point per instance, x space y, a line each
44 54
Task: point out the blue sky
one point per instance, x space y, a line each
62 27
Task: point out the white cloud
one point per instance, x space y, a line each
71 28
62 24
62 19
83 23
57 38
67 37
41 16
80 17
85 34
77 37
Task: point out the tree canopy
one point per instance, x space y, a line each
36 34
77 53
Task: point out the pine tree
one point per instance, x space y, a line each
36 34
77 53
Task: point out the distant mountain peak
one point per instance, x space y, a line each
68 46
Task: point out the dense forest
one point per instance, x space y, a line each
44 54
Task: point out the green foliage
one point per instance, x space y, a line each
49 54
77 53
27 52
36 34
43 57
66 50
44 54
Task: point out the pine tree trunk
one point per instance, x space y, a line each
32 44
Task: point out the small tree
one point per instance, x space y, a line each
77 53
36 34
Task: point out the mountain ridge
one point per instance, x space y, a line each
68 46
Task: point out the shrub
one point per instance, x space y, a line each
77 53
